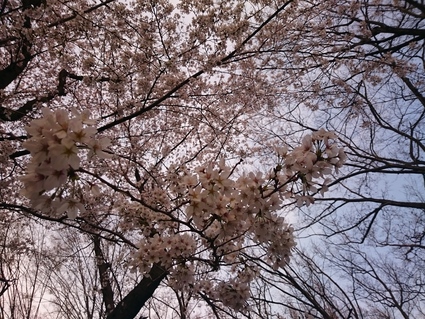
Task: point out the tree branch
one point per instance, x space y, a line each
129 307
103 267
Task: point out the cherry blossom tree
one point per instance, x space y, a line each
171 138
128 123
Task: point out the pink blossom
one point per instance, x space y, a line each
64 154
71 207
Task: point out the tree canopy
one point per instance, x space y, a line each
164 158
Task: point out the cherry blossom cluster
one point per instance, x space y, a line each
232 213
232 292
226 216
57 143
309 164
164 249
204 215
